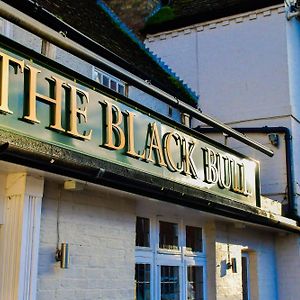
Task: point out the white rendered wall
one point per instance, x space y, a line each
100 229
263 274
238 66
293 45
288 266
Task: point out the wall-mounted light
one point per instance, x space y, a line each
232 265
274 139
63 255
73 185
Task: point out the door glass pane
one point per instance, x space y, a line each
168 235
195 283
169 283
142 281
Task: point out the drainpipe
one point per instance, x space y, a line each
292 210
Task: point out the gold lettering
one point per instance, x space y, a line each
238 177
167 150
155 144
4 85
113 128
76 112
188 163
247 190
210 166
55 103
224 171
131 151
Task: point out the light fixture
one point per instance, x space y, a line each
73 185
274 139
63 255
232 265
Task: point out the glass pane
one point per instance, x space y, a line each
105 80
195 283
194 238
113 85
168 235
169 283
97 77
142 238
121 89
142 281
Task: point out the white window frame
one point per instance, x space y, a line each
182 258
98 72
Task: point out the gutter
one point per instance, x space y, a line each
21 19
292 210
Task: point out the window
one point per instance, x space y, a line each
164 269
169 283
195 283
142 282
142 232
168 235
110 81
193 238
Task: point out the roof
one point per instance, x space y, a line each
181 13
134 12
94 21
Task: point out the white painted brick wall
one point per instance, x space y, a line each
258 242
100 230
288 266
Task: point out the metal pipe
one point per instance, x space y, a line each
292 210
19 18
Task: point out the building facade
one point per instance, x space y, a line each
104 193
243 58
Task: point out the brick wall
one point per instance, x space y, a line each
288 266
100 230
231 242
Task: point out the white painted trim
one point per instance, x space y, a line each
30 248
157 257
213 24
19 240
2 197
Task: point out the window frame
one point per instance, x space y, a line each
96 72
182 258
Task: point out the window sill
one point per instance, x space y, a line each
169 251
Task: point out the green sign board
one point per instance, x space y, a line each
48 105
